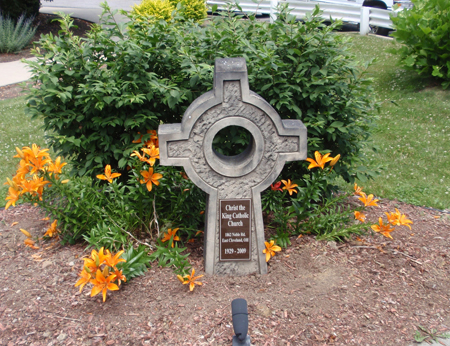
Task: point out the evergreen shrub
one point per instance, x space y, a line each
97 94
15 35
424 32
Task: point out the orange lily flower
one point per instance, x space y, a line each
153 152
358 189
52 230
398 219
33 152
112 261
30 243
108 176
55 167
360 216
368 201
103 284
290 187
153 139
383 229
119 276
190 279
335 160
270 249
85 278
22 171
29 186
170 233
149 178
12 198
137 140
320 160
142 158
20 154
38 164
95 261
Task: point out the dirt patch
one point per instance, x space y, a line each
365 292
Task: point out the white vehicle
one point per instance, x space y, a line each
390 5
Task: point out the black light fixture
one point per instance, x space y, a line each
240 322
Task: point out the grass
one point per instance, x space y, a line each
16 130
413 130
412 134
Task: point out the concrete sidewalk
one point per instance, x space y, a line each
17 72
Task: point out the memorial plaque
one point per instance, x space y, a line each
233 244
235 228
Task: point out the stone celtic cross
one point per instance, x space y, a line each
234 228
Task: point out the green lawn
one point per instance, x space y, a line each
16 130
412 134
413 130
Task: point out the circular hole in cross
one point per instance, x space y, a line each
232 141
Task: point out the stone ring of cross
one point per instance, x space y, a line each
237 165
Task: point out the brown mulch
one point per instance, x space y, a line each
371 291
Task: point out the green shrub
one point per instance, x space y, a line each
15 35
97 93
423 31
160 9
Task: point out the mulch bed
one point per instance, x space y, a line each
370 291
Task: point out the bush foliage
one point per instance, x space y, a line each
98 93
423 31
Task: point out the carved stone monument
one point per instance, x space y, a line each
234 229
